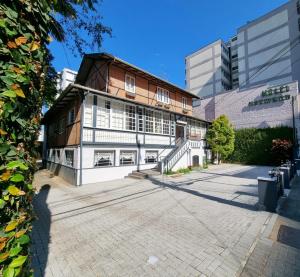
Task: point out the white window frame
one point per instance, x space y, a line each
66 162
150 121
128 151
140 119
111 152
88 111
103 114
61 125
162 95
130 87
184 102
71 120
166 124
151 151
130 118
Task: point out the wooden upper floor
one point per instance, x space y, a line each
109 74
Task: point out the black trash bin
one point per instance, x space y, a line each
297 161
267 193
286 172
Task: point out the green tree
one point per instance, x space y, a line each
27 80
220 136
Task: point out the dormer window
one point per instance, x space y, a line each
130 83
162 95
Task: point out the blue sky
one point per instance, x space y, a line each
156 35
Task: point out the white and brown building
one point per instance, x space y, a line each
117 118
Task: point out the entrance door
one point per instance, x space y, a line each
180 133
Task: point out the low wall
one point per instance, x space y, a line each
67 173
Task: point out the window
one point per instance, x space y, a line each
61 125
236 80
234 56
195 129
69 157
130 117
172 125
104 158
117 115
234 39
103 113
235 68
149 121
184 102
166 124
140 119
129 83
88 111
127 157
163 95
53 155
151 157
158 125
71 116
58 155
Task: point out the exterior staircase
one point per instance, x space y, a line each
169 161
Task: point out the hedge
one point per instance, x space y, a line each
253 145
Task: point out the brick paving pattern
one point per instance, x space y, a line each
200 224
277 252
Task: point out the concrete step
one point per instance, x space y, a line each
134 176
143 174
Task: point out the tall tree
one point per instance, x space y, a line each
27 79
220 136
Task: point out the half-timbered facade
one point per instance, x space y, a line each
118 118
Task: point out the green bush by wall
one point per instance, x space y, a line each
253 146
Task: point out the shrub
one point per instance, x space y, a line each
282 150
220 137
254 145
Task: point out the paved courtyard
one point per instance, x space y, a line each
201 224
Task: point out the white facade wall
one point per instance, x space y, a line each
268 24
65 77
262 57
268 40
195 71
276 69
187 158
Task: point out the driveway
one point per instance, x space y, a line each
200 224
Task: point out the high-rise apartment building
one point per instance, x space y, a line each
64 78
264 51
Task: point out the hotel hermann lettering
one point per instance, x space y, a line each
272 95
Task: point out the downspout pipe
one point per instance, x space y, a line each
82 96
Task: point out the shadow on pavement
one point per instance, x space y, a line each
41 232
202 195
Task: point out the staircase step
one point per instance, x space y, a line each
134 176
143 174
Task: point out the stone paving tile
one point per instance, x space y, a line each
201 224
270 257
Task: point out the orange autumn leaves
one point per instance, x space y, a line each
23 40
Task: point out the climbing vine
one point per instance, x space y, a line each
27 80
24 63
